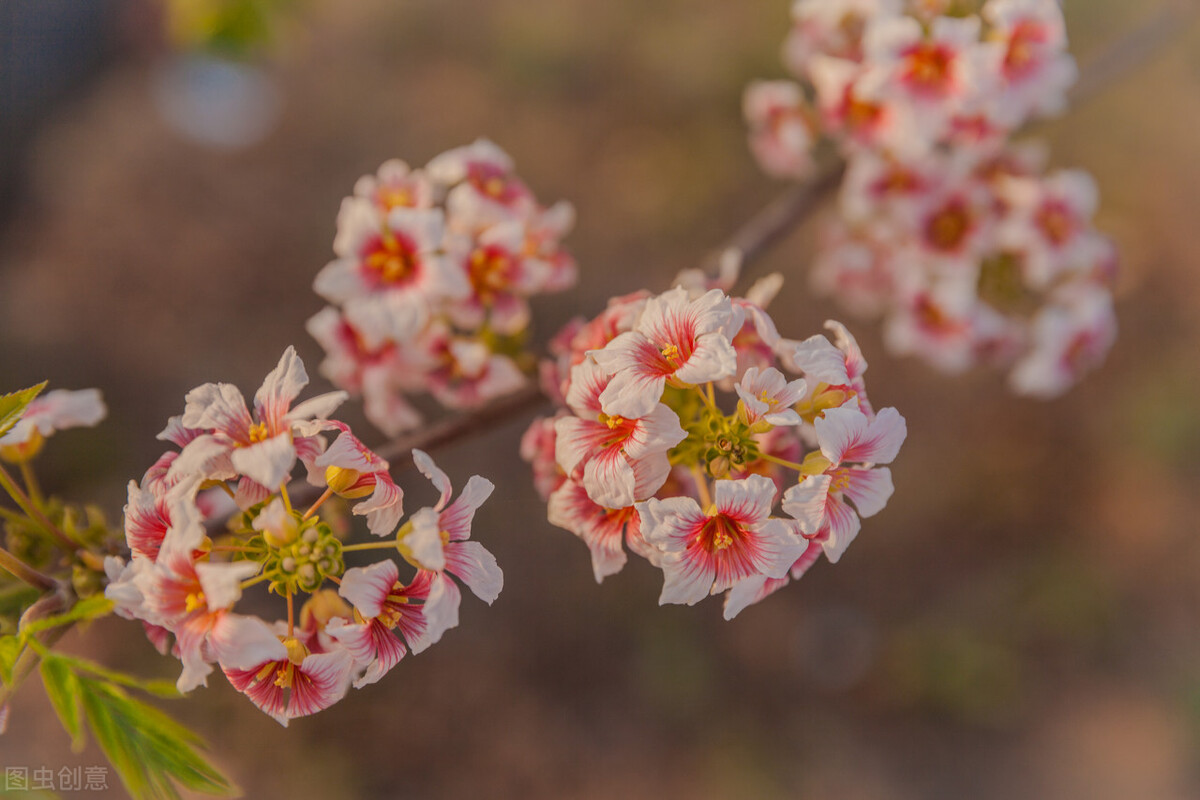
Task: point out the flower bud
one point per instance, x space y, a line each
344 482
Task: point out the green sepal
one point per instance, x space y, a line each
13 405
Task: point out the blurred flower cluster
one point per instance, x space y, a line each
184 582
953 233
678 432
430 285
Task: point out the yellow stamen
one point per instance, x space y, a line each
494 186
670 352
259 433
612 422
194 601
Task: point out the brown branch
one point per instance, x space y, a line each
19 569
789 209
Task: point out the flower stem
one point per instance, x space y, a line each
246 584
702 488
287 501
31 485
291 616
368 546
26 505
36 579
318 503
783 462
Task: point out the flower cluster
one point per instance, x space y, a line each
958 237
680 431
184 583
430 285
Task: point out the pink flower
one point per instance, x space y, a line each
1070 337
831 27
757 588
847 435
500 275
686 341
1049 225
618 460
484 188
538 446
191 598
769 397
601 529
50 412
388 615
279 674
262 447
440 535
390 269
1031 56
781 136
704 553
354 471
395 185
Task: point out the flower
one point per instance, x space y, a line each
389 615
618 460
685 340
819 501
706 552
262 448
279 673
54 411
439 537
354 471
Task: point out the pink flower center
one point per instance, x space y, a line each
393 257
1021 57
1057 222
719 533
491 181
947 229
928 67
491 272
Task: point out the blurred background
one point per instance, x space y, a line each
1022 621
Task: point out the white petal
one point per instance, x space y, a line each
268 462
367 587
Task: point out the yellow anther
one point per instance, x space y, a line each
612 422
194 601
283 675
259 433
395 197
494 186
670 352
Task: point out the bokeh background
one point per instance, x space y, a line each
1022 621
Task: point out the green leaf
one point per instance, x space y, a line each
63 690
12 406
95 606
10 651
150 751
